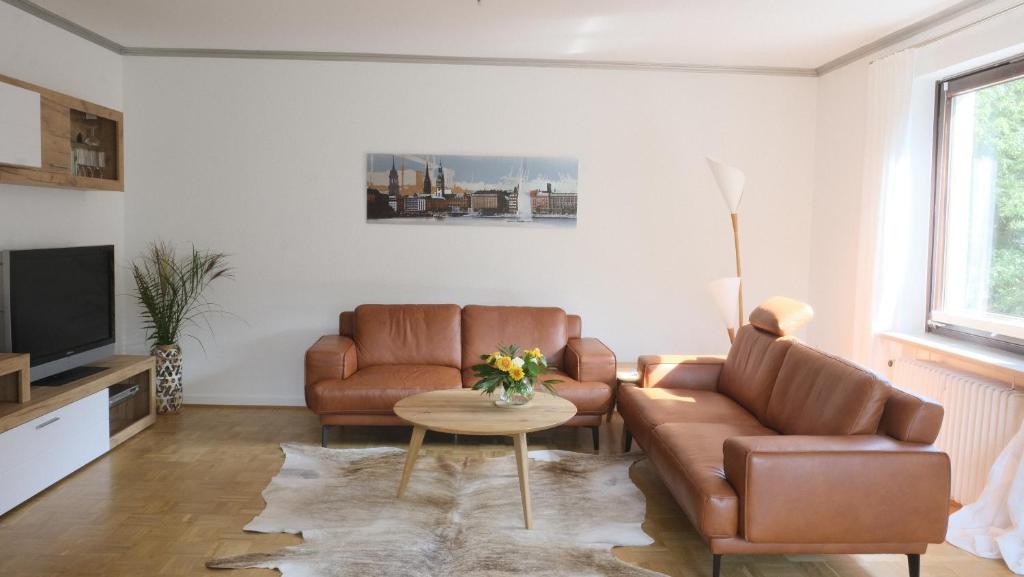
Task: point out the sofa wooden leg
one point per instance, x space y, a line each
595 432
627 440
716 566
914 563
323 435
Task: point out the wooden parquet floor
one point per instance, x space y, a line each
178 495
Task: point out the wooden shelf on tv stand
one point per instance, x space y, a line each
14 380
139 370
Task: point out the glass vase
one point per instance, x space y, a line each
516 396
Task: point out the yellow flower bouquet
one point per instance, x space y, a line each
515 372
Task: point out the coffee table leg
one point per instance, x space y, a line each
523 463
410 457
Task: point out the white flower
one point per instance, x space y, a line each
517 362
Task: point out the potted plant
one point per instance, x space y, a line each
515 374
170 292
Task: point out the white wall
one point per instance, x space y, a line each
838 168
266 160
35 217
839 163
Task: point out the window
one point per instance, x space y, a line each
977 280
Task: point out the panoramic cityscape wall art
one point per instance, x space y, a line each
450 189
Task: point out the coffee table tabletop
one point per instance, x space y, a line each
467 412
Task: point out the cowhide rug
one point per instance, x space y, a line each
459 517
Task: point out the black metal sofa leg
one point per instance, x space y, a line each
323 435
595 432
627 440
914 564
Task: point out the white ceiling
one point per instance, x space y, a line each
783 33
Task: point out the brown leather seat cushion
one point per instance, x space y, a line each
646 408
376 389
590 397
690 461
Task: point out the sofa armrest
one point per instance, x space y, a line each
331 357
680 371
842 489
588 359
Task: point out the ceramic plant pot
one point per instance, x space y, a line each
168 378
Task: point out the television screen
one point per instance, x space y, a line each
61 301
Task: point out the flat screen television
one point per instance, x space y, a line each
58 306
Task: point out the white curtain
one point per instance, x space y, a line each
886 203
992 526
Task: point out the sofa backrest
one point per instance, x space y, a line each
574 326
406 334
486 327
758 350
821 394
751 368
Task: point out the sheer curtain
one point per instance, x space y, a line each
886 203
993 526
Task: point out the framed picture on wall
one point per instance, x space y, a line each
453 189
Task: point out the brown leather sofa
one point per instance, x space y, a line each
780 448
384 353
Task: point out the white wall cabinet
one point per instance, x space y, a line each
20 126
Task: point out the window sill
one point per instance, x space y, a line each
1002 361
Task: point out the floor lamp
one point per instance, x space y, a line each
725 293
730 182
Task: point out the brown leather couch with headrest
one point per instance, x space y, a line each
779 448
384 353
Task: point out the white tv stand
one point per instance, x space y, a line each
62 428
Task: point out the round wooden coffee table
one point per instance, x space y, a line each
467 412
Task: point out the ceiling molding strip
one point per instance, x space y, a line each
902 34
462 60
852 56
62 22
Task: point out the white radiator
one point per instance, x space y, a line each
981 416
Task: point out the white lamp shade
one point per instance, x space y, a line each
730 181
725 292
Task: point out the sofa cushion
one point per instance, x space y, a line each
408 335
821 394
690 460
643 409
486 327
590 397
376 389
751 368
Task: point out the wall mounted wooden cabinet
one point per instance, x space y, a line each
82 144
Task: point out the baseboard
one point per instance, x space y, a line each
246 400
